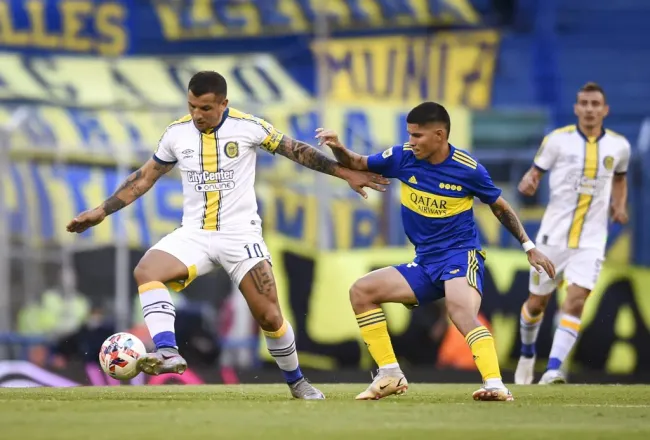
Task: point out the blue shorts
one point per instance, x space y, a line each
428 280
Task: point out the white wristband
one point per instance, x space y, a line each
528 246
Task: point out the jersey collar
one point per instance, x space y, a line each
600 136
223 119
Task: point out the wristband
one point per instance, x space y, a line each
528 246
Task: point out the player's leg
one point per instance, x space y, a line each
582 273
391 284
176 260
247 261
463 290
530 320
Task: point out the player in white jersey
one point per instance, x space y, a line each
215 150
588 166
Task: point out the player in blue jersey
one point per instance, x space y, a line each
439 183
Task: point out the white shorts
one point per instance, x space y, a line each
579 266
201 251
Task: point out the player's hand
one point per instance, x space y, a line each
329 138
86 219
541 262
619 214
529 183
362 179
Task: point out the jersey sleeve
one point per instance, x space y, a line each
266 135
481 186
623 164
387 163
165 152
547 153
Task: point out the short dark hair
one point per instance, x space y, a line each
429 112
208 81
593 87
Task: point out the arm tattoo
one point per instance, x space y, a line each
161 169
133 187
263 278
113 204
306 155
508 218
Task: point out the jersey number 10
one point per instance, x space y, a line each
256 249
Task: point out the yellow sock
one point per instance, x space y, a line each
481 343
374 331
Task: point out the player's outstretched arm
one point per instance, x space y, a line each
508 218
138 183
312 158
345 157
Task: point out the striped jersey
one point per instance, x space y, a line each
437 200
218 168
580 182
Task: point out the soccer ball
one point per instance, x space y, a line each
119 355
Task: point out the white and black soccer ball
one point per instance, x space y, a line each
119 355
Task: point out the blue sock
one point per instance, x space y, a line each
554 364
528 350
165 340
292 376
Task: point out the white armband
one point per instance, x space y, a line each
528 246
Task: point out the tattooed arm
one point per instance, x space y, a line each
508 218
138 183
312 158
308 156
135 185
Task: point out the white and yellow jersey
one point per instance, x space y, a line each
581 174
218 169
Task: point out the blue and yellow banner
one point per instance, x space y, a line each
455 68
120 27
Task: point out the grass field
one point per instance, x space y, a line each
267 412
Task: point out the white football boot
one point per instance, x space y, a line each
525 372
388 381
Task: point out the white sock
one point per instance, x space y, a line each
565 337
282 346
390 366
159 313
529 328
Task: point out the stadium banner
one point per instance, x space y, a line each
120 27
313 291
455 68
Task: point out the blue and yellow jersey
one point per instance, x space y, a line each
437 199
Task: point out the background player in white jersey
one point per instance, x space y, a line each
587 165
215 149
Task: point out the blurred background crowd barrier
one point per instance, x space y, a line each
87 87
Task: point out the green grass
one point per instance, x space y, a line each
267 412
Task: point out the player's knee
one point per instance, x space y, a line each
270 319
463 317
536 304
143 274
574 304
360 293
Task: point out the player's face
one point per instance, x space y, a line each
206 110
591 109
425 139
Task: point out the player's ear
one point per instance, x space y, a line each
575 109
605 110
224 103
